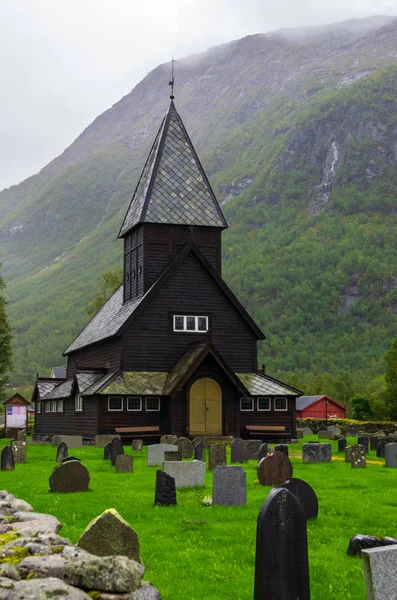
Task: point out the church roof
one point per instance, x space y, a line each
259 384
173 188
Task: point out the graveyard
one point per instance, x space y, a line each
201 551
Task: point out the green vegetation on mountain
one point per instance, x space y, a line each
5 344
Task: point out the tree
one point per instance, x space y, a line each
111 281
391 379
361 408
5 344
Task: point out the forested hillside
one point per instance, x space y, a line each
297 131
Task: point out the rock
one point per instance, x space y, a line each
71 476
108 535
10 571
44 539
146 592
12 505
45 589
38 521
364 542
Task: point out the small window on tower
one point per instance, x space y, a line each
178 323
190 323
202 323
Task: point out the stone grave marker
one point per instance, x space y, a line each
170 455
253 448
19 451
185 446
21 435
358 459
363 440
107 451
229 486
316 452
110 535
216 455
274 469
325 434
239 451
103 438
304 493
168 439
380 573
281 562
342 443
62 452
155 453
198 450
348 454
307 431
68 458
264 450
7 462
334 428
124 463
375 439
186 474
391 455
70 476
72 441
116 449
282 448
165 493
136 445
196 441
299 432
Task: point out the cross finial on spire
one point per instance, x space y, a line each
171 83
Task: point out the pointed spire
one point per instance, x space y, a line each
171 83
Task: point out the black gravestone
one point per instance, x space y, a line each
116 449
342 444
281 563
282 448
304 493
199 451
239 452
363 440
165 493
68 458
107 451
7 459
263 451
62 451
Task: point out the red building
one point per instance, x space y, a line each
319 407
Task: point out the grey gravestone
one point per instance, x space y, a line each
264 450
342 443
305 494
116 449
307 431
124 464
196 441
281 563
363 440
391 455
172 455
239 451
137 445
165 493
19 451
62 452
282 448
316 452
216 455
168 439
348 454
70 476
380 573
185 446
376 438
186 474
102 439
325 434
274 469
334 428
7 459
358 459
21 435
299 432
229 486
72 441
253 448
107 451
155 453
199 451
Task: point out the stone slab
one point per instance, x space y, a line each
104 438
186 474
307 431
124 463
72 441
169 456
253 448
238 451
137 445
216 455
391 455
325 434
229 486
155 453
184 446
380 573
19 451
165 493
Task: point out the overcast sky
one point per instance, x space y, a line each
63 62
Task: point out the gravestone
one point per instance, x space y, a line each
136 445
62 452
307 431
172 455
107 451
316 452
19 451
196 441
391 455
253 448
282 448
264 450
239 451
199 451
72 441
358 459
299 432
376 438
358 543
342 443
304 493
185 446
124 463
216 455
229 486
155 453
325 434
274 469
363 440
21 435
380 573
168 439
68 458
102 439
186 474
70 476
348 454
334 428
116 449
7 462
165 493
281 562
110 535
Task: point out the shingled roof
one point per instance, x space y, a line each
173 188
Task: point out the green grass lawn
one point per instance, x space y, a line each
195 552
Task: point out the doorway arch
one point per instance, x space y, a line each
205 407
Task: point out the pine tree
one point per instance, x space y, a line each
391 379
5 344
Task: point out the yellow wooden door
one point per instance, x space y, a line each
205 407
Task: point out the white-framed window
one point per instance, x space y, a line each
53 406
280 403
59 405
153 403
190 324
134 403
115 403
264 403
48 406
246 404
38 407
78 403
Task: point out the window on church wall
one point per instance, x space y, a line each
134 403
280 403
115 403
60 405
78 403
38 408
153 403
246 404
264 403
192 324
53 406
48 406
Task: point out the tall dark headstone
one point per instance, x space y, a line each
116 449
304 493
239 452
62 452
199 451
281 564
165 493
363 440
7 459
264 450
107 451
342 443
282 448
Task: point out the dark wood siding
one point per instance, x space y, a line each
109 420
272 417
105 355
69 422
133 264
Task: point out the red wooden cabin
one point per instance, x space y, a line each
319 407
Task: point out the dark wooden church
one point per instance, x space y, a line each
173 347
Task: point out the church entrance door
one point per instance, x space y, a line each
205 407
